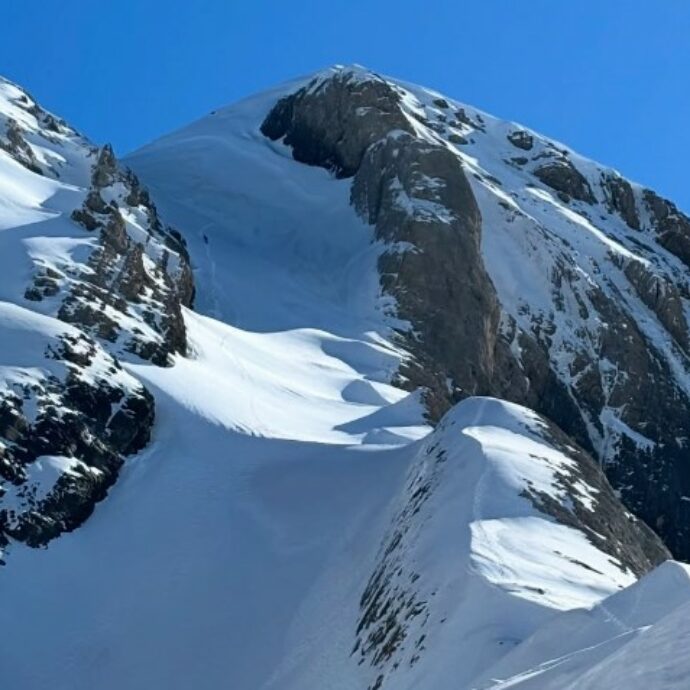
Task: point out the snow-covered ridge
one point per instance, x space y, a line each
469 564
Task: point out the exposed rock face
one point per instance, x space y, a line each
662 297
671 226
417 197
331 122
144 276
622 199
69 413
627 539
511 293
566 179
16 145
65 427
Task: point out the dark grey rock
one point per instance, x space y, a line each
621 198
672 227
564 177
105 169
455 138
663 298
16 145
455 322
521 139
117 277
332 123
606 524
651 480
82 416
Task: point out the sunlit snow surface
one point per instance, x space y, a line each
233 552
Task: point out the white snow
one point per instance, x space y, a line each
632 640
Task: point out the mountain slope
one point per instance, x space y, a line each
600 346
465 210
270 544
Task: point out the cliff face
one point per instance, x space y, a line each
523 271
87 248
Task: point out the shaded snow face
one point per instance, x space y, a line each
632 639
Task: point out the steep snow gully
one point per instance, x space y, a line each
294 523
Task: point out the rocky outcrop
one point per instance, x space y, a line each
16 145
566 179
663 298
671 226
65 426
418 199
331 122
646 456
132 275
521 139
69 412
621 198
607 524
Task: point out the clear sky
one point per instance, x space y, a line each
610 78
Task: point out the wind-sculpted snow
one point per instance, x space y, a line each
633 640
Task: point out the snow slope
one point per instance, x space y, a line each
225 556
260 471
276 245
241 194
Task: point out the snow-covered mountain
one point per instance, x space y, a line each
465 211
313 481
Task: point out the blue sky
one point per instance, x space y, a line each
610 78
